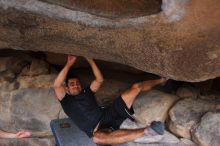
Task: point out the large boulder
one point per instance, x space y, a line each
187 113
41 81
153 106
181 42
207 132
28 109
7 81
13 64
37 67
36 75
10 67
5 111
187 142
167 138
187 92
31 109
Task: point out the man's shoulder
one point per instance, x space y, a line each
67 97
87 89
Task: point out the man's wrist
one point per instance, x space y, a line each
91 62
11 135
68 65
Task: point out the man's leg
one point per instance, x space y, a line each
130 95
125 135
152 133
118 136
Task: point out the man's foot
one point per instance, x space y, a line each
153 133
158 127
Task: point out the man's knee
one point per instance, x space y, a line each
142 86
96 140
136 86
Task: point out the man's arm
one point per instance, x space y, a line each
96 84
58 83
20 134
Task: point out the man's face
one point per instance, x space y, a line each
74 86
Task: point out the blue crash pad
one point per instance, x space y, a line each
66 133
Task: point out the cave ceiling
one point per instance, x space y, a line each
179 39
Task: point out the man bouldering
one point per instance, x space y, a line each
80 105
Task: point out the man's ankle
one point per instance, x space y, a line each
158 127
150 132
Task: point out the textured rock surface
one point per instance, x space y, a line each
41 81
13 64
207 133
36 75
6 81
113 8
37 67
153 106
187 92
28 142
187 142
187 113
181 42
168 138
31 109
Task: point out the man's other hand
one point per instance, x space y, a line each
70 60
23 134
90 60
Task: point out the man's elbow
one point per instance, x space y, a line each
56 85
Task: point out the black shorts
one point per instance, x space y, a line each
115 114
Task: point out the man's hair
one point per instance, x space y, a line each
70 76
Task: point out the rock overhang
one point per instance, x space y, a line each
180 42
112 9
